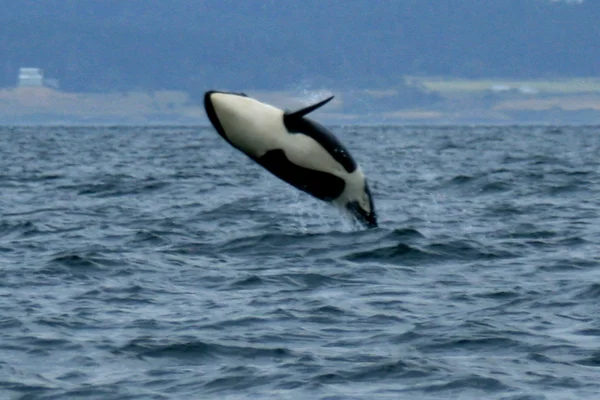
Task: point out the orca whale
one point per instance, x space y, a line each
294 148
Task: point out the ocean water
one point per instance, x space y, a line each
160 263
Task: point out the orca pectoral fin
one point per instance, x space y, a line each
307 110
322 185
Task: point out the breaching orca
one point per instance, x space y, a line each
294 148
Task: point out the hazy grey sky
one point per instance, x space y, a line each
140 44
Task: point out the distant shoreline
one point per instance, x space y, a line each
459 101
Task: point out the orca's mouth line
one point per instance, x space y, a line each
212 114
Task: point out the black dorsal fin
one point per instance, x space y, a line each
306 110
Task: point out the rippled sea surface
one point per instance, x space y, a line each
160 263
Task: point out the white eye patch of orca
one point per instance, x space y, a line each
294 148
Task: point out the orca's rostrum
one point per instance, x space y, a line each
294 148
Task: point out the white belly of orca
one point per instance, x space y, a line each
294 148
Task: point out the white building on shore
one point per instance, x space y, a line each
29 77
